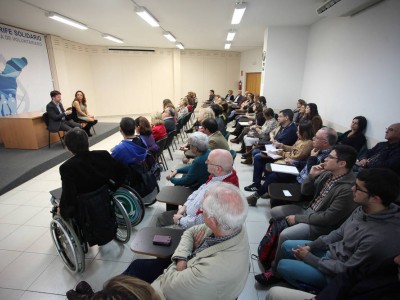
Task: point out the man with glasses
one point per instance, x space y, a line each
384 154
323 141
330 183
220 166
369 236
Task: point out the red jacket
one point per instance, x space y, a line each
159 132
233 179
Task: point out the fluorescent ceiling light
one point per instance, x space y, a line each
238 13
180 46
65 20
112 38
147 16
231 35
227 46
169 36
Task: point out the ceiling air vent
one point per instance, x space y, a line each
344 8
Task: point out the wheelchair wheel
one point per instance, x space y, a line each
132 203
150 199
68 244
124 225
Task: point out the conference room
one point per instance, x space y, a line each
344 58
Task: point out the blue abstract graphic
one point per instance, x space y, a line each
8 85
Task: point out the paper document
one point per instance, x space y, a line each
244 123
287 193
284 169
273 155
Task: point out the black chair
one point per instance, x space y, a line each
74 117
168 143
160 154
45 118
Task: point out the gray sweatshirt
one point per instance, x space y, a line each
362 237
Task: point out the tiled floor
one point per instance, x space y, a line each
30 267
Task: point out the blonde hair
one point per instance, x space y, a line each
123 287
156 119
205 113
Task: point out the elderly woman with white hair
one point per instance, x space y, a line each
196 173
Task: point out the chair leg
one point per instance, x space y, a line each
165 162
94 131
61 139
49 139
170 154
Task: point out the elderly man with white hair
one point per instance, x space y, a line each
212 259
220 166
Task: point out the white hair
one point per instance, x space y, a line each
227 205
199 140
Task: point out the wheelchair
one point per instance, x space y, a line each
69 237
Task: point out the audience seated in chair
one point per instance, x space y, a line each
331 184
144 130
85 172
313 116
300 151
169 119
220 166
215 138
212 259
132 149
58 116
369 281
355 137
384 154
157 127
370 234
195 174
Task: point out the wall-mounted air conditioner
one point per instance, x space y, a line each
344 8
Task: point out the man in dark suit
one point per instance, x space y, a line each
58 120
169 120
85 172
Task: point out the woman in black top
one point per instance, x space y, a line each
355 137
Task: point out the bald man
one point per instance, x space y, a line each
384 154
220 166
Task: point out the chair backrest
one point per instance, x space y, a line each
74 115
96 216
161 144
45 118
170 137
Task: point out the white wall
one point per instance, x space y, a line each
353 67
131 83
250 62
286 49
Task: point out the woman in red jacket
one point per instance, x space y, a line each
157 127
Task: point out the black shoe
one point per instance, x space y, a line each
95 122
252 187
84 288
267 278
189 130
241 151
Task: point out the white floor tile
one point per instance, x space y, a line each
9 294
115 251
7 229
22 238
41 296
63 279
24 270
249 293
42 199
7 257
256 230
6 209
21 215
43 245
42 218
20 197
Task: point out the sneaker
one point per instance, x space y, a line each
252 187
247 161
252 199
84 288
236 141
267 278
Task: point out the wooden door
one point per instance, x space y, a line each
253 83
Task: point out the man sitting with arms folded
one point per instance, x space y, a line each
384 154
330 183
370 234
212 260
220 166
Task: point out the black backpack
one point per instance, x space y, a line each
269 243
97 217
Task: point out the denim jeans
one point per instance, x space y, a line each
299 274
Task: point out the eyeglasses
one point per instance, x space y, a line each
210 163
357 188
332 157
